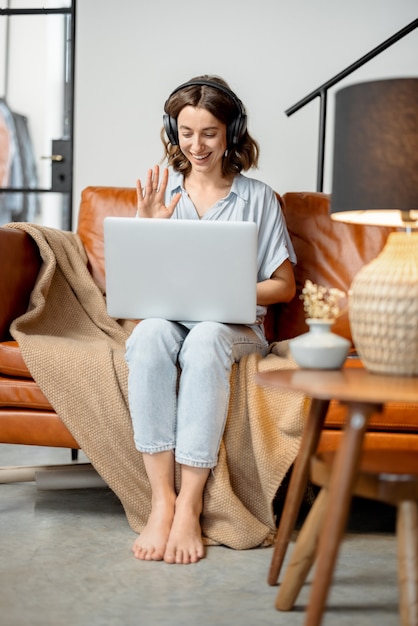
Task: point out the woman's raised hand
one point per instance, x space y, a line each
150 199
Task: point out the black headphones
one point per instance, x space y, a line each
235 129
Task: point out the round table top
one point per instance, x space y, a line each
346 384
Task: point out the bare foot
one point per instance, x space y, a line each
185 543
151 543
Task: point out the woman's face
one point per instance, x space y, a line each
202 139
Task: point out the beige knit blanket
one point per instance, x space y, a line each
75 352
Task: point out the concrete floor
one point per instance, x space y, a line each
65 560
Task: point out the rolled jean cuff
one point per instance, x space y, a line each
154 449
191 463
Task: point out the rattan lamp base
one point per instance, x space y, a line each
383 308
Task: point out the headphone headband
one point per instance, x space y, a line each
235 129
215 85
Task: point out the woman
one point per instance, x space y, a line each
182 419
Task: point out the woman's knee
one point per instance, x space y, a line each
205 333
151 335
207 340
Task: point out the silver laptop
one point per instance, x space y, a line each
183 270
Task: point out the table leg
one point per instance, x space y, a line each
407 536
303 554
297 485
343 475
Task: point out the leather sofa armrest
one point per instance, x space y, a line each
20 262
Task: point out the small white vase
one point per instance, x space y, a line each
319 348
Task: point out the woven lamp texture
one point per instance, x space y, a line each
383 308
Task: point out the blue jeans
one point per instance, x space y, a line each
185 413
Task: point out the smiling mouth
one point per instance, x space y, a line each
200 157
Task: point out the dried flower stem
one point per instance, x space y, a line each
321 302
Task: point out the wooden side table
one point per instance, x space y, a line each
364 394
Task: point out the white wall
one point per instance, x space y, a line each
130 54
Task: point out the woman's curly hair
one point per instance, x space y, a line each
241 156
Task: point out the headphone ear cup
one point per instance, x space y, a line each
170 127
236 130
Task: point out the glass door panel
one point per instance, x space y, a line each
36 111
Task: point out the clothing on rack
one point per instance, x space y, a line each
5 152
18 167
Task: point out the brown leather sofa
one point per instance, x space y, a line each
329 253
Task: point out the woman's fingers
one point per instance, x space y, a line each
150 198
138 188
174 203
156 178
152 184
139 192
149 183
164 181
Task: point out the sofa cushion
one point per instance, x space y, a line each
11 360
396 417
21 392
20 262
96 204
34 427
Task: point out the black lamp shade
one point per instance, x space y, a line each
376 147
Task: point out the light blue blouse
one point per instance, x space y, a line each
249 200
